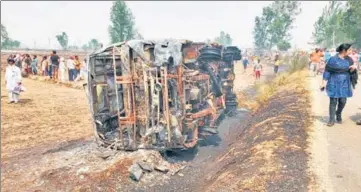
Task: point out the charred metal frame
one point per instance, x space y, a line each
159 95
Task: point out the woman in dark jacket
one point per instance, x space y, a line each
338 79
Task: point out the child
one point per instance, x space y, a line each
245 63
258 69
13 81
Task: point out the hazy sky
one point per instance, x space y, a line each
40 21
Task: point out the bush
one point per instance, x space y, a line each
297 63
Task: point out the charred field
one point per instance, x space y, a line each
269 154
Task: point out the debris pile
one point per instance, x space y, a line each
154 162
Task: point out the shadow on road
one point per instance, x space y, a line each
323 119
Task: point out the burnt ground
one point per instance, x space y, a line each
269 153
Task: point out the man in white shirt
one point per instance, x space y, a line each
13 81
71 68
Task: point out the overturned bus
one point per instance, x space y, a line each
159 94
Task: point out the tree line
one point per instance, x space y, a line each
339 22
6 41
272 28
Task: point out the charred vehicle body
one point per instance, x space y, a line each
159 94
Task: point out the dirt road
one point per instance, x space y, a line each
336 151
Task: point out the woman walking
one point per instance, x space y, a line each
337 76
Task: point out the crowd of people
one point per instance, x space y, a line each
51 66
257 65
319 58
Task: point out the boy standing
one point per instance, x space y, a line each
257 69
13 81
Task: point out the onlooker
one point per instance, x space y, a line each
327 55
71 68
18 61
257 68
315 60
277 63
55 60
338 78
245 63
62 69
27 63
13 81
354 57
50 71
34 64
44 66
77 65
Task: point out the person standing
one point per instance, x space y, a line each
338 82
257 69
71 68
77 66
327 55
315 60
34 64
62 69
55 60
18 61
44 66
13 81
354 57
277 63
27 63
245 63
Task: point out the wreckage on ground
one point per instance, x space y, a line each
159 94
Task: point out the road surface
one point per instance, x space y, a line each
336 151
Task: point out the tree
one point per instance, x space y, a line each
4 33
73 47
122 25
275 23
6 41
63 40
338 24
328 27
283 45
259 34
224 39
352 22
92 45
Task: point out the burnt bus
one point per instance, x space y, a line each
159 94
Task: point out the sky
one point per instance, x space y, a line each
36 23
